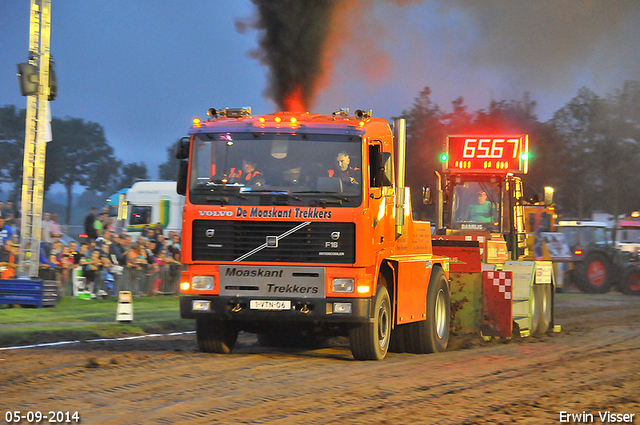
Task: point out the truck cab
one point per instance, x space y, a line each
299 224
481 194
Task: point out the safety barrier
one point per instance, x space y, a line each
164 280
33 292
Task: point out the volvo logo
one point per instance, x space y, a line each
210 232
335 235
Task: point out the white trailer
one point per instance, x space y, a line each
152 202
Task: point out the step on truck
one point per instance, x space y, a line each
298 225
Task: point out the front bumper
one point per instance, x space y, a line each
302 309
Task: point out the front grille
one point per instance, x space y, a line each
228 240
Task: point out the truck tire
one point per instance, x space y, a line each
398 340
215 336
370 341
432 335
595 274
630 282
541 309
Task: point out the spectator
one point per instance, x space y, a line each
46 233
56 248
77 253
125 241
45 262
8 213
151 233
8 259
89 227
174 248
66 261
98 226
150 246
92 265
117 252
137 258
55 231
109 223
108 237
6 233
159 230
17 217
161 244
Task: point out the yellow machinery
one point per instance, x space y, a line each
34 79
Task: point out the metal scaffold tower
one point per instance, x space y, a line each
35 140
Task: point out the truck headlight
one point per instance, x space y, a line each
202 283
343 285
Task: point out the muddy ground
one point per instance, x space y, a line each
592 366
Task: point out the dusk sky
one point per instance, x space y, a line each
144 69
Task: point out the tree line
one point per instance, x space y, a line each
589 151
78 155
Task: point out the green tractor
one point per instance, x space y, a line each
597 264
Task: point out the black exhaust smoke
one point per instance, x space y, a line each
292 41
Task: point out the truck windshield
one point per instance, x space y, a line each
476 206
298 165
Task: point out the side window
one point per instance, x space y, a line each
380 167
140 215
374 165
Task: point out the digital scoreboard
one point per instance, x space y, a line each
488 154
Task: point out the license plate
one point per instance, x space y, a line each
270 305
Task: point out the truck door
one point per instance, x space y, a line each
381 199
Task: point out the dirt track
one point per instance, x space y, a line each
592 366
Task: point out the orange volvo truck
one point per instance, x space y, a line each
297 225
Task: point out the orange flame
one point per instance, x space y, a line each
294 101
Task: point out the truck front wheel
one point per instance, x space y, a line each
215 336
370 341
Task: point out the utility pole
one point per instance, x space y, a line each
35 84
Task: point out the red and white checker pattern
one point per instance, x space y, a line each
503 283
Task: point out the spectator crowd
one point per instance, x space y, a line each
103 256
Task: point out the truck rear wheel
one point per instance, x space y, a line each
370 341
630 282
398 339
432 335
215 336
595 274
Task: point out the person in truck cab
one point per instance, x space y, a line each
248 175
481 210
344 170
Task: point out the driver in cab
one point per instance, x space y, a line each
480 210
247 175
344 170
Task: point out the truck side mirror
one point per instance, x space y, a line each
427 195
183 170
182 150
